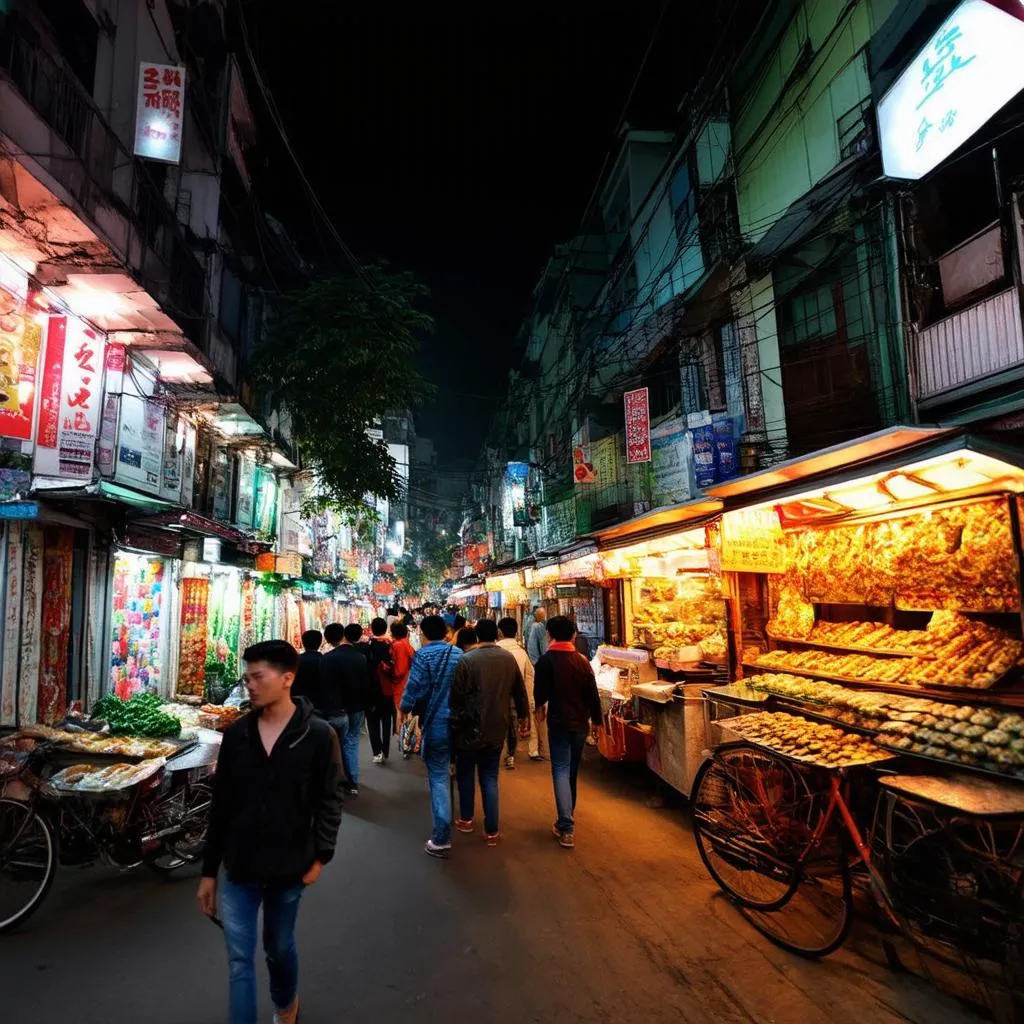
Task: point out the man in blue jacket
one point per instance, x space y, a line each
427 695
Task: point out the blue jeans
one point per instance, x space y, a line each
485 763
240 907
349 727
566 749
437 757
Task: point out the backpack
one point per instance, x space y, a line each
467 726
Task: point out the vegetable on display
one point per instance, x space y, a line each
138 716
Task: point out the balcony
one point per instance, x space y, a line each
75 174
968 346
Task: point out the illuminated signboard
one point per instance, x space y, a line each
158 112
970 68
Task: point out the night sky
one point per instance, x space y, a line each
462 143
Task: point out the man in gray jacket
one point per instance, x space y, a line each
486 680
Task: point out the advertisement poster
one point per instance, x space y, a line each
702 444
21 338
606 461
70 406
174 437
188 463
726 465
670 454
638 426
517 475
221 485
265 509
158 112
245 507
752 541
140 444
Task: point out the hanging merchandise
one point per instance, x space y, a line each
58 552
267 591
195 593
247 631
135 661
223 624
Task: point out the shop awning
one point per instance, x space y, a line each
192 522
951 465
669 519
840 456
135 499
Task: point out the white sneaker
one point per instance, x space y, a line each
432 849
378 758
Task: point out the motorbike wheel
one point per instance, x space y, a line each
189 811
28 861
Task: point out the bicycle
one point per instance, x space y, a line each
945 867
161 822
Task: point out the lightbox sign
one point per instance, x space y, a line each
970 68
159 112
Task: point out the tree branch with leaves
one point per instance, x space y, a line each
339 354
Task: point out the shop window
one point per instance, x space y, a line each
77 36
663 384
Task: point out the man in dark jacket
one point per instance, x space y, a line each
380 714
345 694
486 681
307 681
565 692
273 825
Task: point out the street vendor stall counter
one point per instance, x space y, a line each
879 586
676 622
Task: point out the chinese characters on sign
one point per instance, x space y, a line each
158 113
968 70
70 408
638 426
752 541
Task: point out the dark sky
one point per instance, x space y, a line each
462 142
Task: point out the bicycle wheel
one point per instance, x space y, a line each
28 861
753 820
816 918
188 810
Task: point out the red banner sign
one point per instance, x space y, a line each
638 426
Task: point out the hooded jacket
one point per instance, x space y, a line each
273 815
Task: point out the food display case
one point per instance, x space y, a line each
891 604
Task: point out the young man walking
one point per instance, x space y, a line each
428 695
508 628
345 694
380 715
565 692
273 826
307 681
487 681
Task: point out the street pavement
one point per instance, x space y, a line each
627 927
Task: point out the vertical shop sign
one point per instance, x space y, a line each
517 474
11 625
108 436
20 340
221 485
265 506
638 426
726 465
158 112
245 507
58 551
702 444
170 479
188 464
31 611
70 409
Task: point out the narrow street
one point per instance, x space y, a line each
625 928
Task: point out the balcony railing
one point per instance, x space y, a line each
168 268
969 345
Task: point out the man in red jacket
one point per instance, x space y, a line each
402 654
565 693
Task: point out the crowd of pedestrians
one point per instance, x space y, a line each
470 693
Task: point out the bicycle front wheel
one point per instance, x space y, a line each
28 862
751 824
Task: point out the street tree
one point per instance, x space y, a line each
340 353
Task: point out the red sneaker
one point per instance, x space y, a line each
462 825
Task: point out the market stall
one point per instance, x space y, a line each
878 588
141 591
675 616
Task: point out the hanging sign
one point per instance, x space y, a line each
69 407
638 426
968 69
752 541
582 467
19 510
158 112
21 337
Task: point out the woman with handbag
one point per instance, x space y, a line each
426 697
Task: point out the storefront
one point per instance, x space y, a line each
507 596
671 609
470 597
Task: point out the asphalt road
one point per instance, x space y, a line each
627 927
